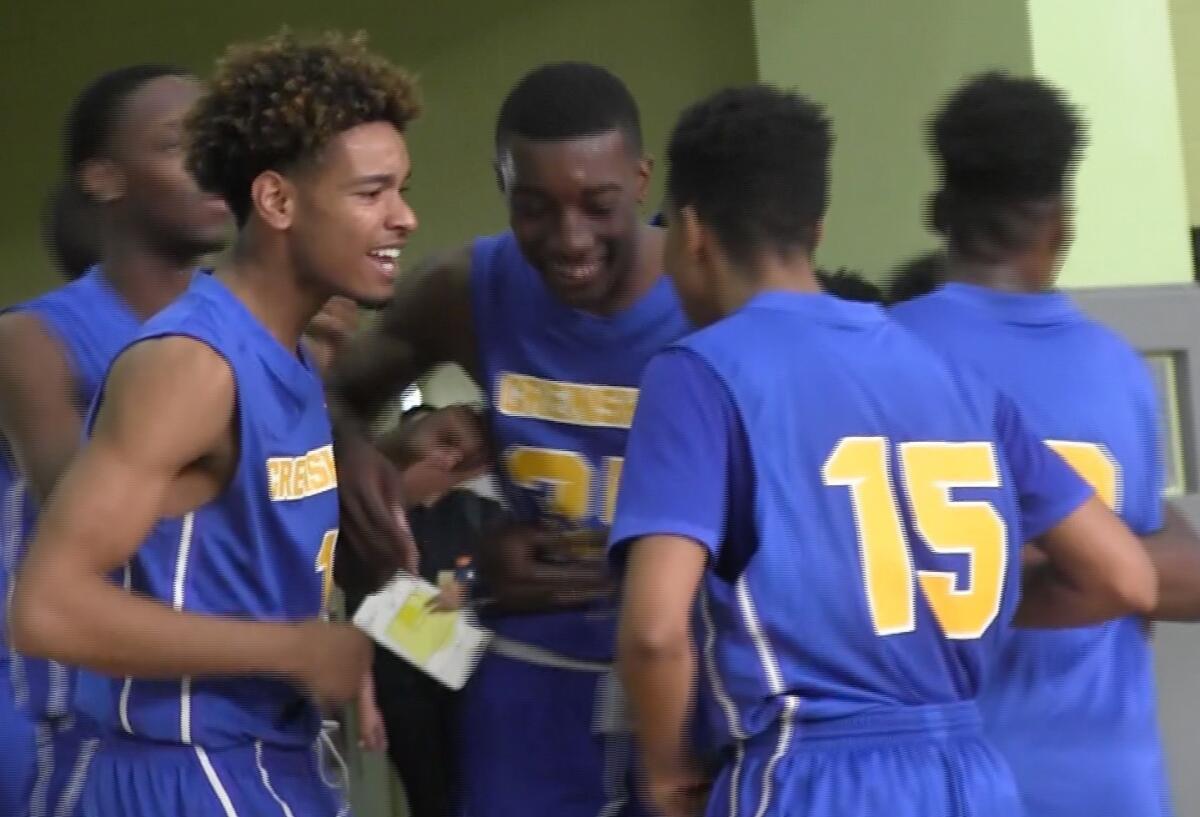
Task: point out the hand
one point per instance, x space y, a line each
375 537
678 793
372 734
331 660
451 596
453 438
519 580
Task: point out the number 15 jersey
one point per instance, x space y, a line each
863 505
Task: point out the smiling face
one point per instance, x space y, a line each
351 221
573 208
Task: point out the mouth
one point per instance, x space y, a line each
386 260
577 275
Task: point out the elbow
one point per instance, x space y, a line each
656 643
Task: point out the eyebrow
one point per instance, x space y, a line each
379 178
611 187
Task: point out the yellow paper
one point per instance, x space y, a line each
420 631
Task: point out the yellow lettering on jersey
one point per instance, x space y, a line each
300 477
325 566
580 404
930 471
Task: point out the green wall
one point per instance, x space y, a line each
1131 203
1185 31
880 69
467 53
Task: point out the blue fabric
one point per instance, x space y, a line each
1074 710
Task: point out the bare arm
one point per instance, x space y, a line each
168 406
38 413
1175 551
428 322
1095 570
657 663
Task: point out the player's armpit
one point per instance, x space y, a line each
38 414
1096 570
655 653
168 403
1175 552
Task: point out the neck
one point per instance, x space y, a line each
145 279
793 273
1010 275
647 269
269 285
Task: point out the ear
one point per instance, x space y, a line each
694 232
273 197
102 180
1061 229
645 169
505 170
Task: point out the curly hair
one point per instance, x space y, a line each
273 105
1005 147
754 162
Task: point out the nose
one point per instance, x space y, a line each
400 216
574 234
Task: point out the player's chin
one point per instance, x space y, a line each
369 292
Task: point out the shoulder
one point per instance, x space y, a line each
28 344
167 367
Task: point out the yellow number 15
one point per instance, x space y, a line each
929 470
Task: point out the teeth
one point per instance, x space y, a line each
391 253
579 272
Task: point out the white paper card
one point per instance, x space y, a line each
445 645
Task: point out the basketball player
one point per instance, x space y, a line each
208 485
554 319
846 510
1073 710
127 200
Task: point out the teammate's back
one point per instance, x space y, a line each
845 508
1066 705
851 426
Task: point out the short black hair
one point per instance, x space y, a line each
568 100
95 112
276 103
71 230
1005 146
849 285
916 277
754 163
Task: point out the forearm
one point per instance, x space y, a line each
659 681
1175 553
1049 600
88 621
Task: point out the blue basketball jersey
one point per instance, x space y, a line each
863 504
1074 710
91 323
561 386
263 549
